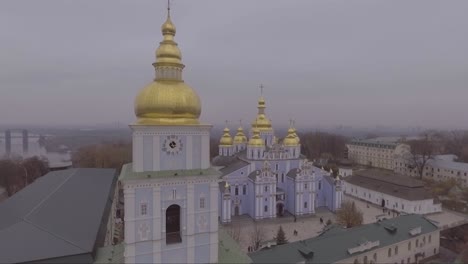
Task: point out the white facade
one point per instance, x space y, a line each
412 250
398 204
373 153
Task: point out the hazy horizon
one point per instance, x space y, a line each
363 64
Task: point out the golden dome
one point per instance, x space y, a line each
226 139
261 121
168 100
298 140
290 140
240 137
256 140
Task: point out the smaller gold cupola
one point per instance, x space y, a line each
240 137
295 132
290 139
226 139
256 140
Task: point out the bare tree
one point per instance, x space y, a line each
235 232
106 155
349 215
422 151
257 236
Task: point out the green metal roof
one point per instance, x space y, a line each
228 249
128 173
333 245
110 254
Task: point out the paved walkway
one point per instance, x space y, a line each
306 227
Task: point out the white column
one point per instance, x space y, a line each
138 153
205 151
156 153
129 197
157 224
189 153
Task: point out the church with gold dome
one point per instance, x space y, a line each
175 197
264 177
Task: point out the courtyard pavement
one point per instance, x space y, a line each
306 227
310 226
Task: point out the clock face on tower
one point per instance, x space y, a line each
172 145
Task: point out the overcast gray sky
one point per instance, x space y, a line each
360 63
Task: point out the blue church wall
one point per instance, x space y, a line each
147 153
202 253
176 253
142 248
143 195
148 258
251 191
196 147
202 191
169 162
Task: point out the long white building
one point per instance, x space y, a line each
391 191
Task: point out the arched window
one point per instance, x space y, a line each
389 252
375 256
409 245
396 250
173 224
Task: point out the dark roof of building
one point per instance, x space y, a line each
253 174
235 165
223 160
292 173
390 183
333 245
61 214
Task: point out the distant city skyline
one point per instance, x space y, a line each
323 63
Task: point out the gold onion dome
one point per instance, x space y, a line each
256 140
261 121
168 100
290 140
240 137
226 139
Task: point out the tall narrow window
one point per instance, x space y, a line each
396 250
320 185
174 194
389 252
409 245
143 209
277 166
202 203
266 208
244 189
266 188
305 204
305 185
282 177
430 238
236 190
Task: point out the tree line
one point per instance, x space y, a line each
17 173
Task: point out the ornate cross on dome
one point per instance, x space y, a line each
261 89
240 122
168 8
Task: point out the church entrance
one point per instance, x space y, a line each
279 209
236 210
173 224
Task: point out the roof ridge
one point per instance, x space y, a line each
48 196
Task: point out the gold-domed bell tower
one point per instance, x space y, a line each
168 110
261 122
171 191
225 143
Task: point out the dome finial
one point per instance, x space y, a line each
168 8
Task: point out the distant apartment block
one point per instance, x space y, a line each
438 168
21 143
392 191
378 152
